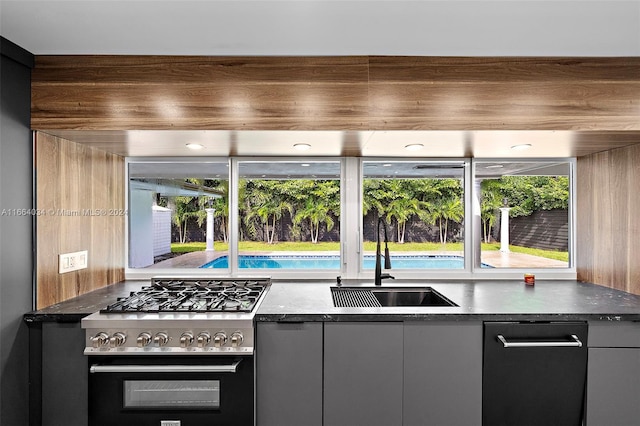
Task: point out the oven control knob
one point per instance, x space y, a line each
118 339
219 339
100 340
236 339
144 339
161 339
203 339
186 339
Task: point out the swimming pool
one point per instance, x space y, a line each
333 262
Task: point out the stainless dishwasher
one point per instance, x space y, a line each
534 373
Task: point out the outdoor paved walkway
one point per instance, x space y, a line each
494 258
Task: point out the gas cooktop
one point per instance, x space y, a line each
188 316
192 295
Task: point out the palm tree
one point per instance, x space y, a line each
402 209
271 211
489 204
221 205
444 210
316 212
182 211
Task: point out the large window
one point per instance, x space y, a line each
524 213
323 217
421 206
289 215
178 213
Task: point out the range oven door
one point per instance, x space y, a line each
170 390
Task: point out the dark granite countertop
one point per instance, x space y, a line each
73 310
492 300
482 300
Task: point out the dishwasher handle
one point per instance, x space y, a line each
575 343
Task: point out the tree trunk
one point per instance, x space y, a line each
446 226
223 225
273 230
183 232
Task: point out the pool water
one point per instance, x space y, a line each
333 262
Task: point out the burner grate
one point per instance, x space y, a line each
192 295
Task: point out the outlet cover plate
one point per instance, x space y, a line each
68 262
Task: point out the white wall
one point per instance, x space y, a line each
161 230
140 228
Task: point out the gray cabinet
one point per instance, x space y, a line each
613 374
363 373
369 373
442 373
64 375
289 374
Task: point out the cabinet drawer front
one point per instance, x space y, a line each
613 386
614 334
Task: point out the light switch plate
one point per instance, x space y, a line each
73 261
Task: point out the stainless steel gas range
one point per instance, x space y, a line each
177 352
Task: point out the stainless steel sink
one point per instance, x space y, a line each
411 297
351 297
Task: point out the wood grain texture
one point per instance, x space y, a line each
335 93
76 185
265 93
608 223
504 93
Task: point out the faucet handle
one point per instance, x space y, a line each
383 276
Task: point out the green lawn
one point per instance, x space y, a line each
549 254
368 246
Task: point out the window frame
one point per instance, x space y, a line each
568 273
351 226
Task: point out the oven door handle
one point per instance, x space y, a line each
232 368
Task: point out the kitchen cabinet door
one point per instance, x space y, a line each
289 374
613 374
613 387
363 374
65 375
442 373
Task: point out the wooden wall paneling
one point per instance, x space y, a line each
618 216
335 93
501 68
608 223
424 93
70 227
583 256
602 221
47 224
200 93
107 231
633 229
73 183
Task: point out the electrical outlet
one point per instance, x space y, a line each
73 261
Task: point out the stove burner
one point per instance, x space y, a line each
192 295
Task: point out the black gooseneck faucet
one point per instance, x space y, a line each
387 258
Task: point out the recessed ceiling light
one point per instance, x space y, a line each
194 146
494 166
386 165
302 146
305 164
414 147
521 147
